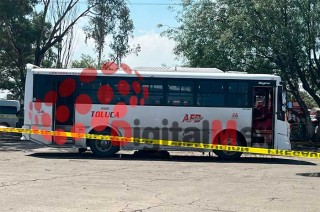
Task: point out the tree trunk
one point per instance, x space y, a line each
38 57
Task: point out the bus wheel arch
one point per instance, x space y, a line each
5 124
103 148
228 155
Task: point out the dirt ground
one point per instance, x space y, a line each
37 178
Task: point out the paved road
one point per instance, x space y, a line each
34 178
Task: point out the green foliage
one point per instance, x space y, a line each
86 61
16 38
16 8
29 35
110 17
308 100
257 36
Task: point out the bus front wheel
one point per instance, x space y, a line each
103 148
229 155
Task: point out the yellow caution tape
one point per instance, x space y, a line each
277 152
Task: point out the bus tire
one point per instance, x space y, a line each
228 155
103 148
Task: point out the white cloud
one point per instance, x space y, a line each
155 51
82 47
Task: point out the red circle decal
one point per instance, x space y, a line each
50 97
105 94
123 87
83 104
136 87
88 75
46 120
109 68
67 87
62 113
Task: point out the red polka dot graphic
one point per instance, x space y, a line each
131 92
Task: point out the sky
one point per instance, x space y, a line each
156 50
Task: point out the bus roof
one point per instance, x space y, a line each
163 72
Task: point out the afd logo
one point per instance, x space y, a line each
192 118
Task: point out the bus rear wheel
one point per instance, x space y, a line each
229 155
103 148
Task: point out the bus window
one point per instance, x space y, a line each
180 92
155 91
237 94
281 103
210 93
42 85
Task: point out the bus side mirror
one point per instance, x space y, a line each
284 101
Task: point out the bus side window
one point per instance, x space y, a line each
237 94
155 92
210 93
180 92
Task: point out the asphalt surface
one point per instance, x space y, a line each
37 178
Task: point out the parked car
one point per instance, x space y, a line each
8 113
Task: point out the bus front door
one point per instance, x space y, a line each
41 119
263 117
63 110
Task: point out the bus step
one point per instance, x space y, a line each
68 141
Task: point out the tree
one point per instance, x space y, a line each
29 36
257 36
47 39
306 98
65 46
86 61
16 38
41 36
110 17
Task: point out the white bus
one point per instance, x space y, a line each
179 104
8 113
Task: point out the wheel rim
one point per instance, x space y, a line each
229 141
103 145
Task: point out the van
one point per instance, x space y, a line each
8 113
